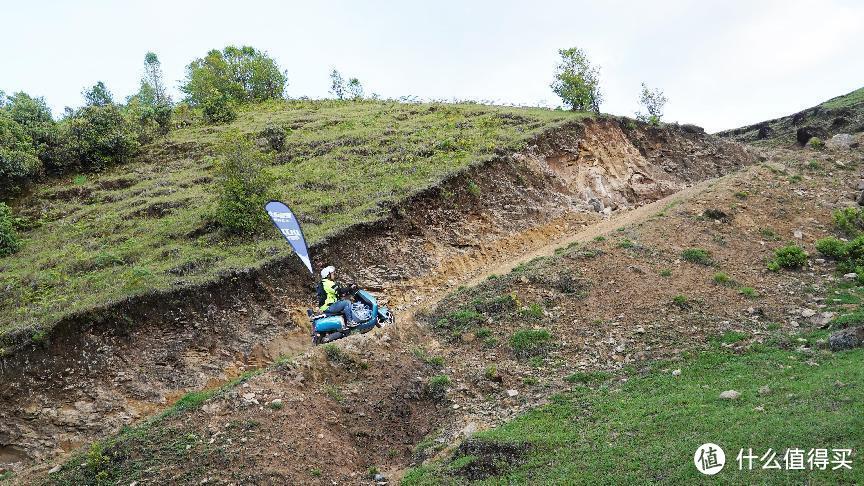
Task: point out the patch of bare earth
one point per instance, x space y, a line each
373 409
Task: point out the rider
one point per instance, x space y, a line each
328 296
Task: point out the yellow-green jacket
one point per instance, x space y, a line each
328 293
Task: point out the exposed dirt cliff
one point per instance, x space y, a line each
110 367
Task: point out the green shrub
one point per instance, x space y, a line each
437 385
790 256
681 301
816 143
244 186
96 137
473 188
696 255
218 109
491 372
533 312
773 266
9 242
275 136
722 278
849 220
530 342
333 392
854 250
424 356
748 292
665 272
626 244
832 248
19 164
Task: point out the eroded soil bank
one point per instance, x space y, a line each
113 366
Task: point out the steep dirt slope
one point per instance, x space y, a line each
106 369
843 114
609 305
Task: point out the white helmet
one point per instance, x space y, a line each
326 271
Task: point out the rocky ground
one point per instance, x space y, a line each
611 296
114 366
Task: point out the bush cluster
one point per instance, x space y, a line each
790 257
849 220
244 186
696 255
104 132
9 242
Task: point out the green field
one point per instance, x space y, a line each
647 429
95 238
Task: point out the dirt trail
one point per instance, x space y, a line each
570 185
500 258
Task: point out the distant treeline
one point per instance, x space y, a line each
104 131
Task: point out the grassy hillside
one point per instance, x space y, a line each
842 114
646 429
849 100
95 238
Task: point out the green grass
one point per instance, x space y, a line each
696 255
748 292
142 227
530 342
646 430
851 99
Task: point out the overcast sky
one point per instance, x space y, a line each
722 64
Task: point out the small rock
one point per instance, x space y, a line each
807 313
850 276
640 330
759 408
55 469
512 393
470 429
847 338
764 390
730 395
841 141
676 372
822 320
379 478
798 234
455 406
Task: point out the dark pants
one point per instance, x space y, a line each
340 307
